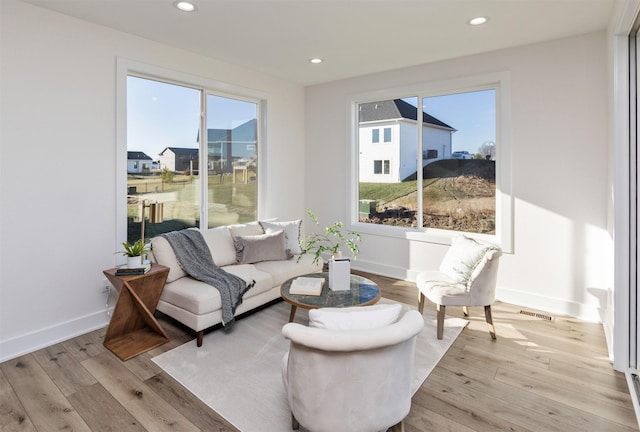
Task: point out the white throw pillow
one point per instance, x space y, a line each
291 230
355 318
221 245
464 255
164 255
248 229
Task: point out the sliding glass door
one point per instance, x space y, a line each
176 180
232 160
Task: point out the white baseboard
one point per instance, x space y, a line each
590 313
24 344
552 305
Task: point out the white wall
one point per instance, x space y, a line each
562 255
57 213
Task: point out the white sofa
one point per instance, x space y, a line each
259 251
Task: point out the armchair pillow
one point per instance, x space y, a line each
355 318
463 257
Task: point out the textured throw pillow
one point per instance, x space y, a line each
464 255
265 247
355 318
291 231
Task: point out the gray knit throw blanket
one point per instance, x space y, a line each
195 259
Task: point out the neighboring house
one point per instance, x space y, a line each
388 136
228 146
139 163
179 159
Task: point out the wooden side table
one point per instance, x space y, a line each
133 329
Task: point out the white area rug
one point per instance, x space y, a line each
238 373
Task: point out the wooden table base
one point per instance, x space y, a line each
133 329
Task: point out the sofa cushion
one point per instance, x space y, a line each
200 298
291 231
281 271
164 255
264 247
221 245
355 318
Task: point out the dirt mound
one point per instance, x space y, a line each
462 198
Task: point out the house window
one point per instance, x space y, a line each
375 135
381 167
164 121
435 191
430 154
387 134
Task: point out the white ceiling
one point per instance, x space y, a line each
354 37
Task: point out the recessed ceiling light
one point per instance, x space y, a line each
185 6
478 21
315 60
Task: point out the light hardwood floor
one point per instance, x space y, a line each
539 375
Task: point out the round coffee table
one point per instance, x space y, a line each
362 292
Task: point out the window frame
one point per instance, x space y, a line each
127 67
500 81
387 131
375 136
384 167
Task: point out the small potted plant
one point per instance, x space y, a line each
330 241
133 252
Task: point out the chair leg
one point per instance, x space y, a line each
420 302
294 423
398 427
487 315
440 330
465 311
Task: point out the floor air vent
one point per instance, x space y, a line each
537 315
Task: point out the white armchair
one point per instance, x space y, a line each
467 277
350 379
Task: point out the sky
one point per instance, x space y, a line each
473 114
163 115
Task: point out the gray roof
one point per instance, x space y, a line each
181 151
137 155
395 109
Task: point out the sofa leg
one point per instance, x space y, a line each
465 311
420 302
441 309
487 315
199 337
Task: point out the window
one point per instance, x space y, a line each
387 135
430 154
375 135
164 126
452 160
381 167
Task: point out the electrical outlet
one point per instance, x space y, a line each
106 286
